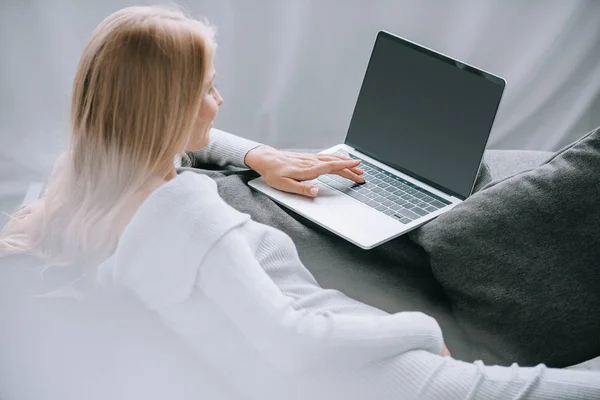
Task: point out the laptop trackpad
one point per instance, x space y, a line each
356 222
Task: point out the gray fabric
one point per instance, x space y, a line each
519 260
393 277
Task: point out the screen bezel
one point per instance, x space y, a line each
448 60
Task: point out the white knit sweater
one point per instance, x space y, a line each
223 149
238 294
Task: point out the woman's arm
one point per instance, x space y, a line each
223 149
425 376
282 170
294 338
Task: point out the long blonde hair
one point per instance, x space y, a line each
136 95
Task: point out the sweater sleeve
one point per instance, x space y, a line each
223 149
295 339
421 375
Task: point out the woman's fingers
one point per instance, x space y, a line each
348 174
293 186
329 167
304 167
329 157
335 157
357 171
332 157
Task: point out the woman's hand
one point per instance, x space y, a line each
286 170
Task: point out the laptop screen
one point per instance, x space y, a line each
424 114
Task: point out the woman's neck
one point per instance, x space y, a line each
139 196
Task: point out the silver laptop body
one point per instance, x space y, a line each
420 127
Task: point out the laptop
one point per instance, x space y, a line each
420 127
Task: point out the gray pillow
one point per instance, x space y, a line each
520 260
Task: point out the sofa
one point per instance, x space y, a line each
96 348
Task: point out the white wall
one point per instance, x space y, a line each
290 70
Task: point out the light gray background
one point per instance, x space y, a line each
290 70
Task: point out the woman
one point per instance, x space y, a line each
233 289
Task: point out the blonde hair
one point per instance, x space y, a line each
136 95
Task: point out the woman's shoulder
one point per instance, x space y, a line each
189 181
188 207
187 192
162 248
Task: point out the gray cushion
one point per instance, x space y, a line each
519 260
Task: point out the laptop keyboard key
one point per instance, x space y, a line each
430 208
437 204
387 211
359 197
381 208
408 214
368 185
419 211
405 220
371 203
398 217
380 199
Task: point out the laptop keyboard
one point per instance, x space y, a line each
386 192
